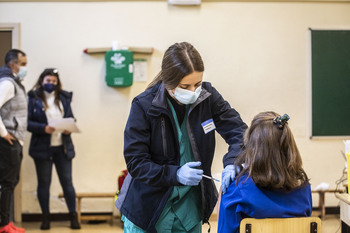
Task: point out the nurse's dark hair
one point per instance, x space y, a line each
39 89
180 60
270 155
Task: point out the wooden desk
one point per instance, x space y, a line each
344 211
80 196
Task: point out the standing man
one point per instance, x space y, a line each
13 125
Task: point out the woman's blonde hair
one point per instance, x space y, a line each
270 155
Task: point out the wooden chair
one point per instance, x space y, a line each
279 225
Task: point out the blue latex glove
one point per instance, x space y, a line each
188 175
228 175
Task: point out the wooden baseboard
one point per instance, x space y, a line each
214 217
329 210
35 217
315 212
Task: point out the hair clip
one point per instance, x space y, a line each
55 71
281 121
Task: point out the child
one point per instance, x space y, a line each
272 182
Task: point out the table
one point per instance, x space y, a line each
344 211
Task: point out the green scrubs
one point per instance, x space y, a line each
182 211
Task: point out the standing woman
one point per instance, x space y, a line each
48 102
169 143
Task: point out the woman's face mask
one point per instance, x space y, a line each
50 83
49 87
185 96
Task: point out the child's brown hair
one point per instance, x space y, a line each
270 155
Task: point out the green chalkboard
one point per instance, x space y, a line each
330 58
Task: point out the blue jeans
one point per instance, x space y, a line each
64 172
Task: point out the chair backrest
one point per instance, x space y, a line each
281 225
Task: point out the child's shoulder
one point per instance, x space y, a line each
244 181
245 184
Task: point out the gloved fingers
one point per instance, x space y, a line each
230 167
223 188
230 171
228 175
194 180
232 175
189 175
196 172
225 182
193 164
192 183
190 172
227 170
198 175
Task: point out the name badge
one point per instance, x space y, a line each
208 126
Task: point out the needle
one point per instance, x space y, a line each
211 178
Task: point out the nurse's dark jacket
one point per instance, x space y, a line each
151 151
40 141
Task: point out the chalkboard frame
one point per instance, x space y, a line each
330 75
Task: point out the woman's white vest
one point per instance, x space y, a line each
14 112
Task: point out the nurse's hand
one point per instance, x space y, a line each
188 175
228 175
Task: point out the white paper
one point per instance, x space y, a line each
140 71
65 124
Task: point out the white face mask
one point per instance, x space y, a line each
22 72
185 96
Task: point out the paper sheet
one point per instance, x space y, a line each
65 124
140 70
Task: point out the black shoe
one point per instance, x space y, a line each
74 223
45 225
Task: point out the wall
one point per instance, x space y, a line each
256 54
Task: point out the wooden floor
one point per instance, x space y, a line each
331 224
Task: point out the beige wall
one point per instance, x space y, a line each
256 55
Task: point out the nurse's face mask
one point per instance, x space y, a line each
185 96
189 88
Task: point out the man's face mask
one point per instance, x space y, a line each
22 72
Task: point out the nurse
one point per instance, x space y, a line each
169 143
